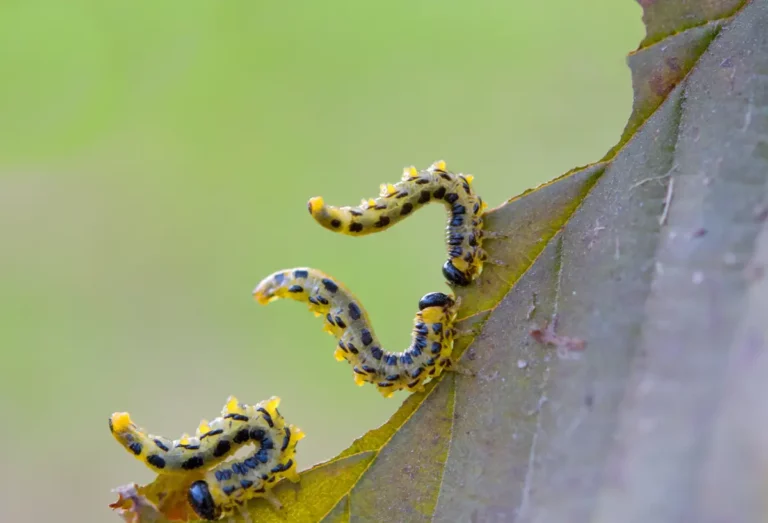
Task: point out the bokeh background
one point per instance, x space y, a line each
155 163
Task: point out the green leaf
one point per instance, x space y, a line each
654 258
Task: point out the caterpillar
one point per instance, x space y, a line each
417 188
226 487
346 319
220 487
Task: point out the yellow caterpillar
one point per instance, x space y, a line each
229 485
346 319
225 485
417 188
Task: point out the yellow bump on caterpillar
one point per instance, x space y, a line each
416 189
345 318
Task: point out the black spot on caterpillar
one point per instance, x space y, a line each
225 485
465 225
346 319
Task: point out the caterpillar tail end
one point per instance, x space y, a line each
260 296
315 205
332 218
267 290
120 422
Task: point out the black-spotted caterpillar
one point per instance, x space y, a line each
417 188
217 487
345 318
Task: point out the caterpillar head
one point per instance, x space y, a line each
456 276
437 307
201 501
435 299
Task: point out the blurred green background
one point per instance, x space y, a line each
155 164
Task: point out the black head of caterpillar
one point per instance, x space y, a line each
346 319
417 188
214 442
227 486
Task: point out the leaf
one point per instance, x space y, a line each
653 257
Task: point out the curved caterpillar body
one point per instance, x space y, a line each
346 319
225 485
229 485
417 188
214 442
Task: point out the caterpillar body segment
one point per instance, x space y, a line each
346 319
397 201
214 442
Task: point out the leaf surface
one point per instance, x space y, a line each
654 258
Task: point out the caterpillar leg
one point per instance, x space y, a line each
466 333
347 320
272 500
460 368
413 191
244 515
269 497
493 261
494 235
